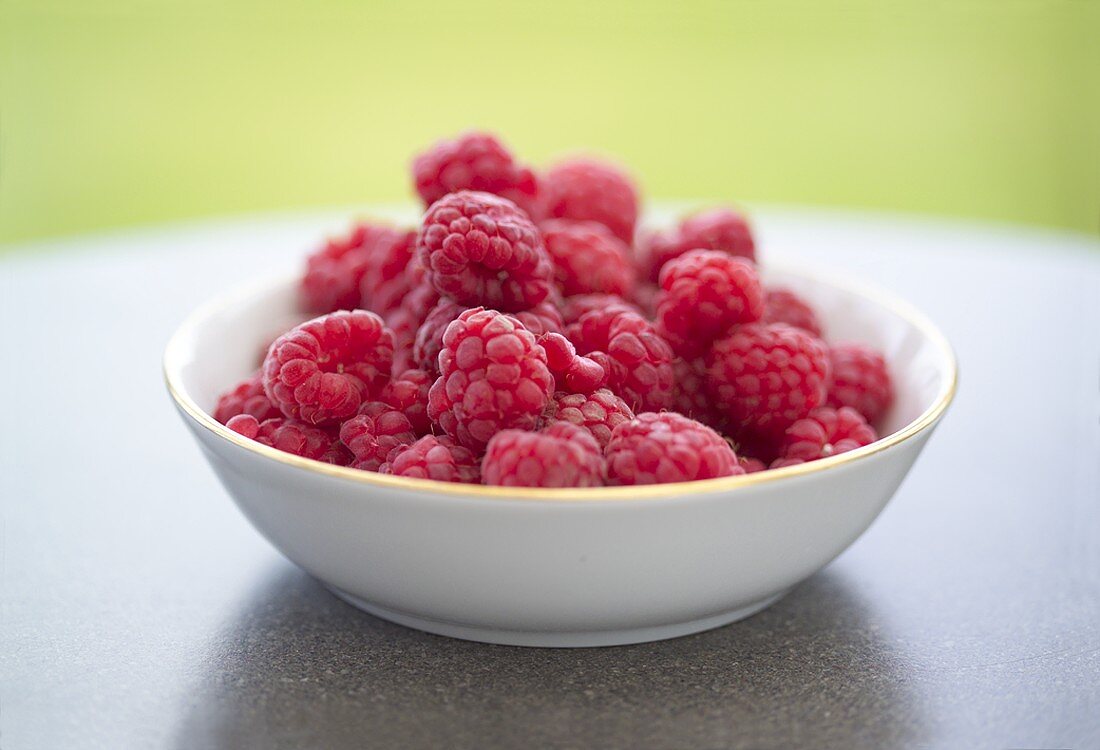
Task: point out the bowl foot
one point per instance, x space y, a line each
559 639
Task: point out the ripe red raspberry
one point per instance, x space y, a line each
690 396
334 273
247 397
293 436
667 447
438 458
562 455
599 412
384 284
473 161
408 393
715 229
590 190
493 376
825 432
860 380
406 321
751 465
322 370
784 306
704 293
480 249
763 378
587 258
375 433
574 307
645 298
638 361
572 372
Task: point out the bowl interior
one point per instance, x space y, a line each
225 340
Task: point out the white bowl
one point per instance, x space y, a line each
583 567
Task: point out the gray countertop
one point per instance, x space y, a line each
138 608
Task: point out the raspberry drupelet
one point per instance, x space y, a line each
591 190
334 273
690 396
859 379
561 455
293 436
408 393
667 447
493 376
473 161
322 370
480 249
439 458
247 397
599 412
824 432
784 306
704 293
588 258
715 229
572 308
375 433
572 372
762 378
638 360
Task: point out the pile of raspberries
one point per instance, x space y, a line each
525 334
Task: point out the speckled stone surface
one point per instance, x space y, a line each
139 610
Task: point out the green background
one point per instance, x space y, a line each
120 113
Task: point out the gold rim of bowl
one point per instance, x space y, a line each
174 360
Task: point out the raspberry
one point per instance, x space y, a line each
599 412
751 465
334 273
574 307
667 447
493 376
473 161
645 298
562 455
825 432
587 258
247 397
293 436
572 372
406 321
589 190
429 338
438 458
322 370
638 361
784 306
704 293
860 380
763 378
408 393
715 229
482 250
384 283
690 396
374 433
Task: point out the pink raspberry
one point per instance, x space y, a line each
825 432
763 378
384 284
860 380
574 307
293 436
480 249
667 447
320 371
334 273
599 412
473 161
247 397
375 433
438 458
690 396
638 361
572 372
715 229
704 293
408 393
493 376
590 190
562 455
784 306
587 258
